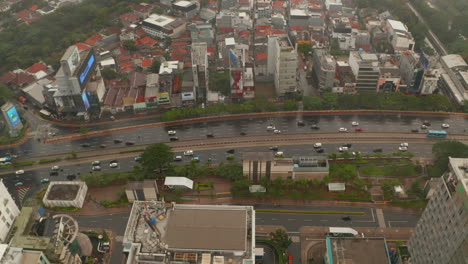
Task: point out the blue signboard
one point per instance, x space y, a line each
89 65
85 100
13 116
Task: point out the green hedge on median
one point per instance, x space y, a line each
306 212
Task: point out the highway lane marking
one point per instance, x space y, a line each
290 219
390 222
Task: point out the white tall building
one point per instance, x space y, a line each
200 68
282 64
399 36
441 235
8 212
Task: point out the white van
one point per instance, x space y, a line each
317 145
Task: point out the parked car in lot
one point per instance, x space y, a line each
171 132
188 153
178 158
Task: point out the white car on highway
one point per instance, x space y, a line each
279 154
19 172
341 149
277 131
113 165
55 168
317 145
403 149
270 128
404 145
188 153
355 123
95 163
178 158
171 132
445 125
97 168
342 129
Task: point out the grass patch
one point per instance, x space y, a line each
121 201
24 163
307 212
406 170
6 139
68 209
43 161
98 179
6 166
414 204
131 150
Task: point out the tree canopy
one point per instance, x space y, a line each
156 157
155 66
441 152
281 238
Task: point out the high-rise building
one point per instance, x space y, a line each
8 212
411 69
324 69
200 69
441 235
399 36
365 67
282 64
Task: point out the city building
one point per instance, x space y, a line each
282 64
365 67
186 233
79 87
52 235
257 165
324 69
411 69
429 82
13 255
65 194
365 250
201 32
162 26
12 119
399 36
146 190
8 212
200 70
152 89
454 82
441 235
185 8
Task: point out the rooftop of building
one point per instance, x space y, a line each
159 20
284 42
183 3
299 12
357 250
460 169
397 25
157 229
63 192
454 60
199 54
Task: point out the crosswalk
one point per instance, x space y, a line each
22 193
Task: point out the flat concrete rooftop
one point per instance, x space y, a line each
213 229
358 250
63 192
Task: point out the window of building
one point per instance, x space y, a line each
7 210
3 219
12 217
8 224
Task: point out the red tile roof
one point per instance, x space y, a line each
146 63
128 69
211 50
28 16
17 78
81 46
93 39
8 77
262 56
126 64
143 8
278 5
147 41
36 67
129 18
33 8
124 58
113 30
178 51
296 28
225 30
245 34
140 32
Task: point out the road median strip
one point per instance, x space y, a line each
306 212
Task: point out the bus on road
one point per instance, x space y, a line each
437 133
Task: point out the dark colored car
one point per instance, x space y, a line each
377 150
53 173
349 145
315 127
243 133
346 218
173 138
415 130
275 148
86 145
230 151
102 146
209 135
129 143
117 141
426 123
300 123
71 177
320 150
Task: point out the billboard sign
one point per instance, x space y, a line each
84 97
87 69
13 116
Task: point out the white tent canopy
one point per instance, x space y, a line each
178 181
